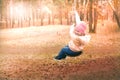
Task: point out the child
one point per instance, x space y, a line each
79 39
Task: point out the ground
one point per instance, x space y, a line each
27 54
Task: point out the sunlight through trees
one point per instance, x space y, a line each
24 13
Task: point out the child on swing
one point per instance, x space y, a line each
79 39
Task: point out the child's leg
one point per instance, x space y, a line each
74 54
62 53
67 52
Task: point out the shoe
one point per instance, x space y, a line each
57 58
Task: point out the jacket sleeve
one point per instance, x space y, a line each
86 38
72 35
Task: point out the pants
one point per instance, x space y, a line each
65 51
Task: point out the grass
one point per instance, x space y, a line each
27 54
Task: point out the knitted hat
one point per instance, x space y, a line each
81 27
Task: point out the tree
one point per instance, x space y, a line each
115 13
0 11
90 15
95 17
59 4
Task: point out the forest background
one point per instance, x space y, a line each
24 13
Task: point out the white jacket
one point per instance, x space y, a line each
83 40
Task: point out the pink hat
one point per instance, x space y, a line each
81 27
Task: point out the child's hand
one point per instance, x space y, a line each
73 24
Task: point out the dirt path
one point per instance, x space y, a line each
46 69
30 56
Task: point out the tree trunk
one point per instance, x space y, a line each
115 13
52 17
33 18
49 19
95 21
95 17
60 15
66 14
42 16
90 16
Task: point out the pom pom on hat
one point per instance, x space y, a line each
81 27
